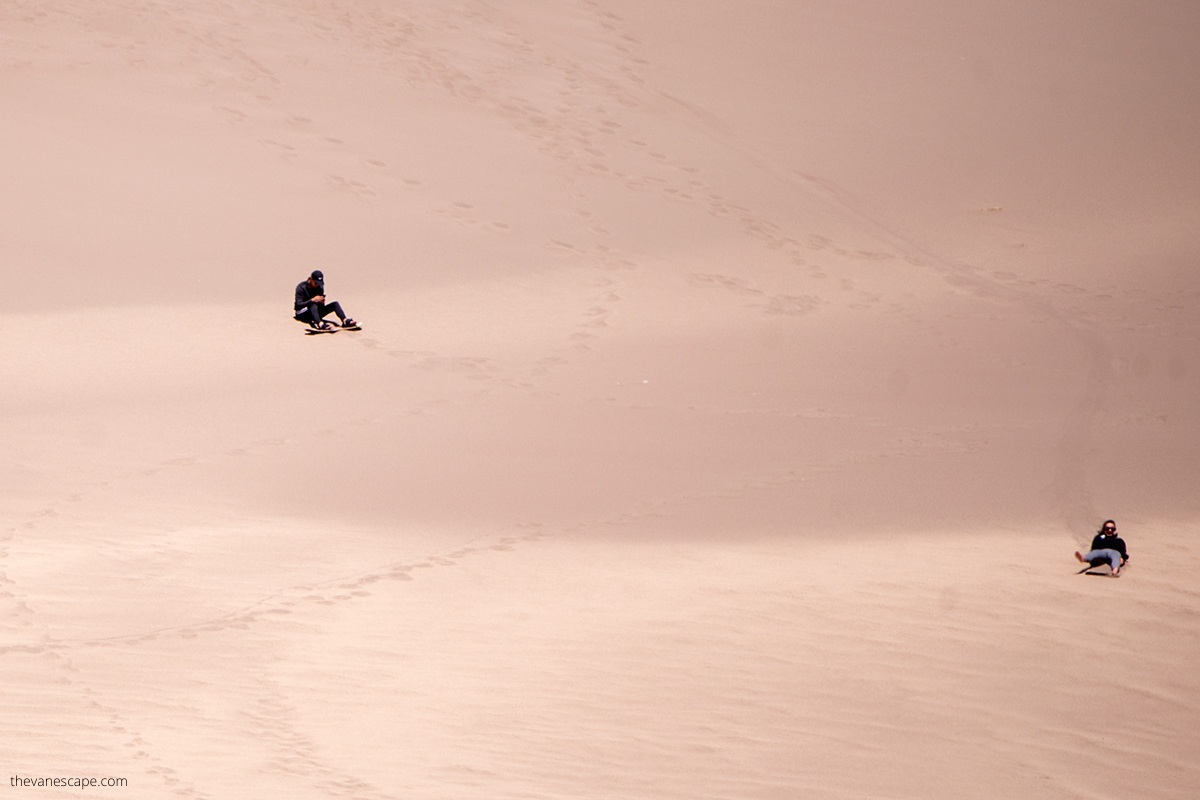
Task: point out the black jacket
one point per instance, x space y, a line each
1102 542
305 294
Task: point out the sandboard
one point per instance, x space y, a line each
1095 569
331 329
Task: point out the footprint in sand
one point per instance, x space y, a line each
282 149
560 246
353 187
231 114
713 280
792 305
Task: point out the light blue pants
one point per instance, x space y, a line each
1111 556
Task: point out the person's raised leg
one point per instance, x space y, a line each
1098 557
336 308
316 312
310 314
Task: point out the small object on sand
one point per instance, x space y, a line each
331 329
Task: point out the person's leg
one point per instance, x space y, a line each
1114 560
1098 557
336 308
318 311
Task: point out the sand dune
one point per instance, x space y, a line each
736 383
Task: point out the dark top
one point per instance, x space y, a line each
1102 542
305 294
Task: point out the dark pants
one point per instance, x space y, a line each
314 312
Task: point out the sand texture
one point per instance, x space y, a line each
736 383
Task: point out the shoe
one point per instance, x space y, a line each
324 326
348 323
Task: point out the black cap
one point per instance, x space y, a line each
318 276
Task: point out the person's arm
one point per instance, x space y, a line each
303 296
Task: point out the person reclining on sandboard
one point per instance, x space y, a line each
1107 548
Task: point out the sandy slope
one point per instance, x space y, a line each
736 384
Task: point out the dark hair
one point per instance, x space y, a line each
1108 522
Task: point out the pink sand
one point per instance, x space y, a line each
736 384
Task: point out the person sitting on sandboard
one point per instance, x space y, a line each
311 307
